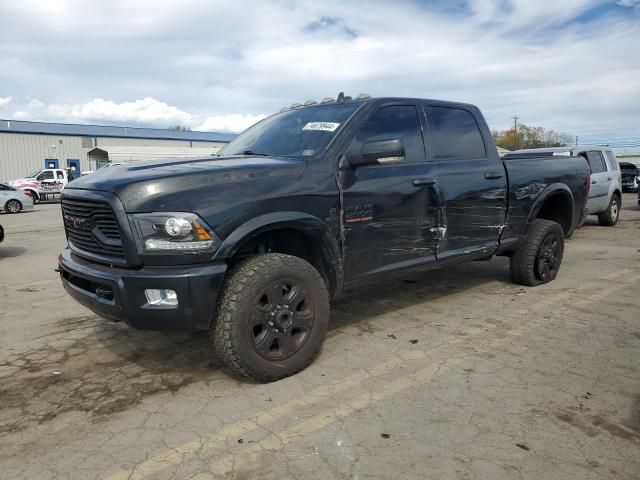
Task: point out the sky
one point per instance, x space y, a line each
570 65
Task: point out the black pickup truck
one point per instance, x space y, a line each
253 243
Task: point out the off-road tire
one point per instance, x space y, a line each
524 262
13 206
610 216
231 326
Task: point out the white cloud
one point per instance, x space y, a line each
4 101
148 110
35 104
233 122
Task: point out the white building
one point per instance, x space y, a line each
28 146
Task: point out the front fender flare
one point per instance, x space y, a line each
314 226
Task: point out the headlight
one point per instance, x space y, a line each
173 232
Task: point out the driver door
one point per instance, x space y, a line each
390 208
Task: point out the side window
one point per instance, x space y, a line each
455 134
596 162
613 161
60 174
46 175
394 122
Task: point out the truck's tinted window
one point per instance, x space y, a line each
455 134
388 123
596 162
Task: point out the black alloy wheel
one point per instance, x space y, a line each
549 257
282 320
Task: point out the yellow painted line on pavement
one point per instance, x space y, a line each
177 455
224 464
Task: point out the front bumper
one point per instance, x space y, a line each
118 293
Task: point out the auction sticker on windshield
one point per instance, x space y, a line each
322 126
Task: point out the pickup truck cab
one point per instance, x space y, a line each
43 184
605 194
304 205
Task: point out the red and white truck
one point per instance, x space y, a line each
43 184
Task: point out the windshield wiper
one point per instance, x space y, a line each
251 152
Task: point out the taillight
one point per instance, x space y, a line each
587 184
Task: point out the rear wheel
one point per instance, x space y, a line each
13 206
610 216
272 317
538 258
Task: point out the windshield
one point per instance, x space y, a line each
304 132
34 174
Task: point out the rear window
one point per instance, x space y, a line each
455 134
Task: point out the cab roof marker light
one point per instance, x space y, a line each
327 100
363 96
283 109
309 102
296 105
340 97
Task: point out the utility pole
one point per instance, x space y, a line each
515 128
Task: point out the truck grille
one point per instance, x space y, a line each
92 227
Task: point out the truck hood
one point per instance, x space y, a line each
163 185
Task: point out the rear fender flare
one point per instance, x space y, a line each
550 190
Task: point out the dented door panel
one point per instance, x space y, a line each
474 206
388 221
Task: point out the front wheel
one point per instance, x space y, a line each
538 258
33 195
272 317
13 206
610 216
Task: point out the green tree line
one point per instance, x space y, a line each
530 137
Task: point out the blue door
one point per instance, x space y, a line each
73 164
51 163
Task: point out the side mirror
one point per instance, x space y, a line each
378 152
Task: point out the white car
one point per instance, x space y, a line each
14 200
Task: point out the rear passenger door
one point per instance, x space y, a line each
600 182
471 180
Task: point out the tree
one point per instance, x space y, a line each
530 137
179 128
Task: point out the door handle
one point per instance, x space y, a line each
492 175
424 182
593 182
608 178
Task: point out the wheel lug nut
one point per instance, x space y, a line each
271 324
278 307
